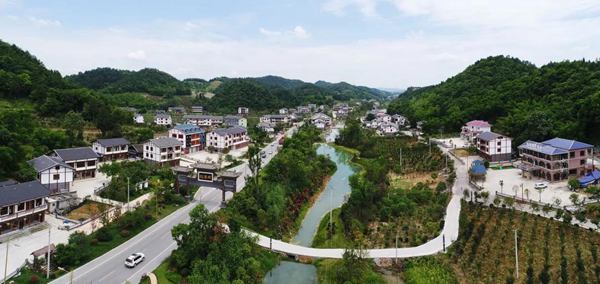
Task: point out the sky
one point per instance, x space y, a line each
378 43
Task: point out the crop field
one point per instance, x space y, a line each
549 251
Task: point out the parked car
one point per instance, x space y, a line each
134 259
263 155
540 185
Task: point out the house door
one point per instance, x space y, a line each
21 224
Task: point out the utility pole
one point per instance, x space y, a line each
128 209
516 256
6 260
48 268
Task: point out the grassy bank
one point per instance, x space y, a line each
323 237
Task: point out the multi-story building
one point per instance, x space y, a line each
387 129
163 119
163 151
274 118
266 126
399 120
191 136
473 128
302 110
555 159
320 120
283 111
243 110
53 173
83 159
177 109
227 138
22 205
234 120
494 147
111 149
203 120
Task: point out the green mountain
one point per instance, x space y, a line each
518 98
40 111
147 80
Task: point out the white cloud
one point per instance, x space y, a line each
137 55
44 22
297 32
338 7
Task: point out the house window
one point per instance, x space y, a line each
4 211
91 163
498 150
21 206
57 168
499 143
147 147
80 164
38 202
56 177
582 153
582 162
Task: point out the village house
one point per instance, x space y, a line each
473 128
387 129
138 118
163 151
494 147
320 120
83 159
191 136
222 139
163 119
283 111
274 118
243 110
302 110
197 109
555 159
53 173
266 127
234 120
399 120
203 120
111 149
22 205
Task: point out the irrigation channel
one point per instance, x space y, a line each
333 196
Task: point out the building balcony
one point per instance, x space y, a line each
24 213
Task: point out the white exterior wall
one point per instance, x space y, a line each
163 121
102 150
47 176
151 152
138 119
505 146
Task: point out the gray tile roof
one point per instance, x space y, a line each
13 194
111 142
542 148
163 115
488 136
72 154
8 182
230 131
188 128
164 142
203 116
45 162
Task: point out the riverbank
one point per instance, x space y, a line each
305 208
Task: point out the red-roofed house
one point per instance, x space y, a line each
474 128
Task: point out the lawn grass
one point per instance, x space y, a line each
25 277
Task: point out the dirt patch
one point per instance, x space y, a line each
411 179
87 210
460 152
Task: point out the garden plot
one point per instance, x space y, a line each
86 210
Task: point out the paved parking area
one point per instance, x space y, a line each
207 157
513 181
455 142
85 187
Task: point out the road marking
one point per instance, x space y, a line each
107 275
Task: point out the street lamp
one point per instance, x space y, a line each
71 273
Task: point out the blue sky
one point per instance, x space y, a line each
379 43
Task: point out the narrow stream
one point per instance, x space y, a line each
333 196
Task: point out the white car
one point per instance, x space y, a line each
134 259
540 185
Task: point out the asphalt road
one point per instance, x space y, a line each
155 242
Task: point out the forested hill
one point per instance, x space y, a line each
518 98
40 111
147 80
